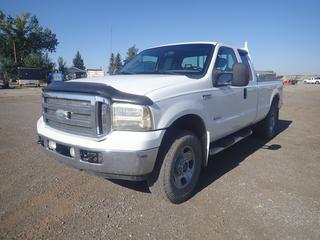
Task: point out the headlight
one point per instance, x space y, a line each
131 117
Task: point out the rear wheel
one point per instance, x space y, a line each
268 126
178 168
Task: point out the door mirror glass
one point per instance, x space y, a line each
240 75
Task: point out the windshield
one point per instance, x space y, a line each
187 59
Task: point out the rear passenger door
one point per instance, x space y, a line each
251 101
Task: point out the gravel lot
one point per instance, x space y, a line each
254 190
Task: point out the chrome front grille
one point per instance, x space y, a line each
78 114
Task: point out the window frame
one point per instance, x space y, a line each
194 75
246 55
223 72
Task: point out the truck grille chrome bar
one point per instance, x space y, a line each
77 114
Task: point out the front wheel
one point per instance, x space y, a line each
178 168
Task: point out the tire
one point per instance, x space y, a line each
267 128
178 167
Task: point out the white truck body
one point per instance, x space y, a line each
314 80
222 110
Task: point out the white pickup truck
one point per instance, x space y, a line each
161 116
314 80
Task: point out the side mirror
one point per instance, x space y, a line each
240 75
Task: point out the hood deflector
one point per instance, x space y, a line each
98 89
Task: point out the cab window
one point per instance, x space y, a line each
245 60
193 62
225 60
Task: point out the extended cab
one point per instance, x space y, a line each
314 80
161 116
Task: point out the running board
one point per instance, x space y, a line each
226 142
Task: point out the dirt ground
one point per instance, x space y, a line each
254 190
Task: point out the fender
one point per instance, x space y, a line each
276 92
172 112
169 111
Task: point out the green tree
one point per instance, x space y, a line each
22 39
117 63
36 59
62 65
47 65
111 64
78 61
131 53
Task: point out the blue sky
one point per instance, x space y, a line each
283 35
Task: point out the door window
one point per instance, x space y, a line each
225 60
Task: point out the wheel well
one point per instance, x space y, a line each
194 124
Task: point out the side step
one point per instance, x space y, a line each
228 141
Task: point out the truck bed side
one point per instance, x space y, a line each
267 90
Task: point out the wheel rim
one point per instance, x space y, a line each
184 167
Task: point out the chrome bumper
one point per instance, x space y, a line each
128 165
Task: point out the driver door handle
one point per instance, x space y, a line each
206 96
245 93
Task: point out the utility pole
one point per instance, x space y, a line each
110 47
111 40
14 52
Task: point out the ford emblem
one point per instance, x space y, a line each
62 114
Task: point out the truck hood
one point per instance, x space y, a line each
140 84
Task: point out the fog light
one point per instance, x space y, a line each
72 152
91 157
52 145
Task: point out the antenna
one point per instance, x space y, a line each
111 40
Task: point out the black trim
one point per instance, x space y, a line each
245 93
98 89
112 176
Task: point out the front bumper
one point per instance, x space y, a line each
132 161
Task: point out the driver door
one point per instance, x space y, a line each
227 103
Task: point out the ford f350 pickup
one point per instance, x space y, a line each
161 116
314 80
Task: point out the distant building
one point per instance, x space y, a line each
95 72
29 76
73 73
268 75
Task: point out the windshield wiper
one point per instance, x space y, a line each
154 72
169 72
126 73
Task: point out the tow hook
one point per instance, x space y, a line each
40 141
